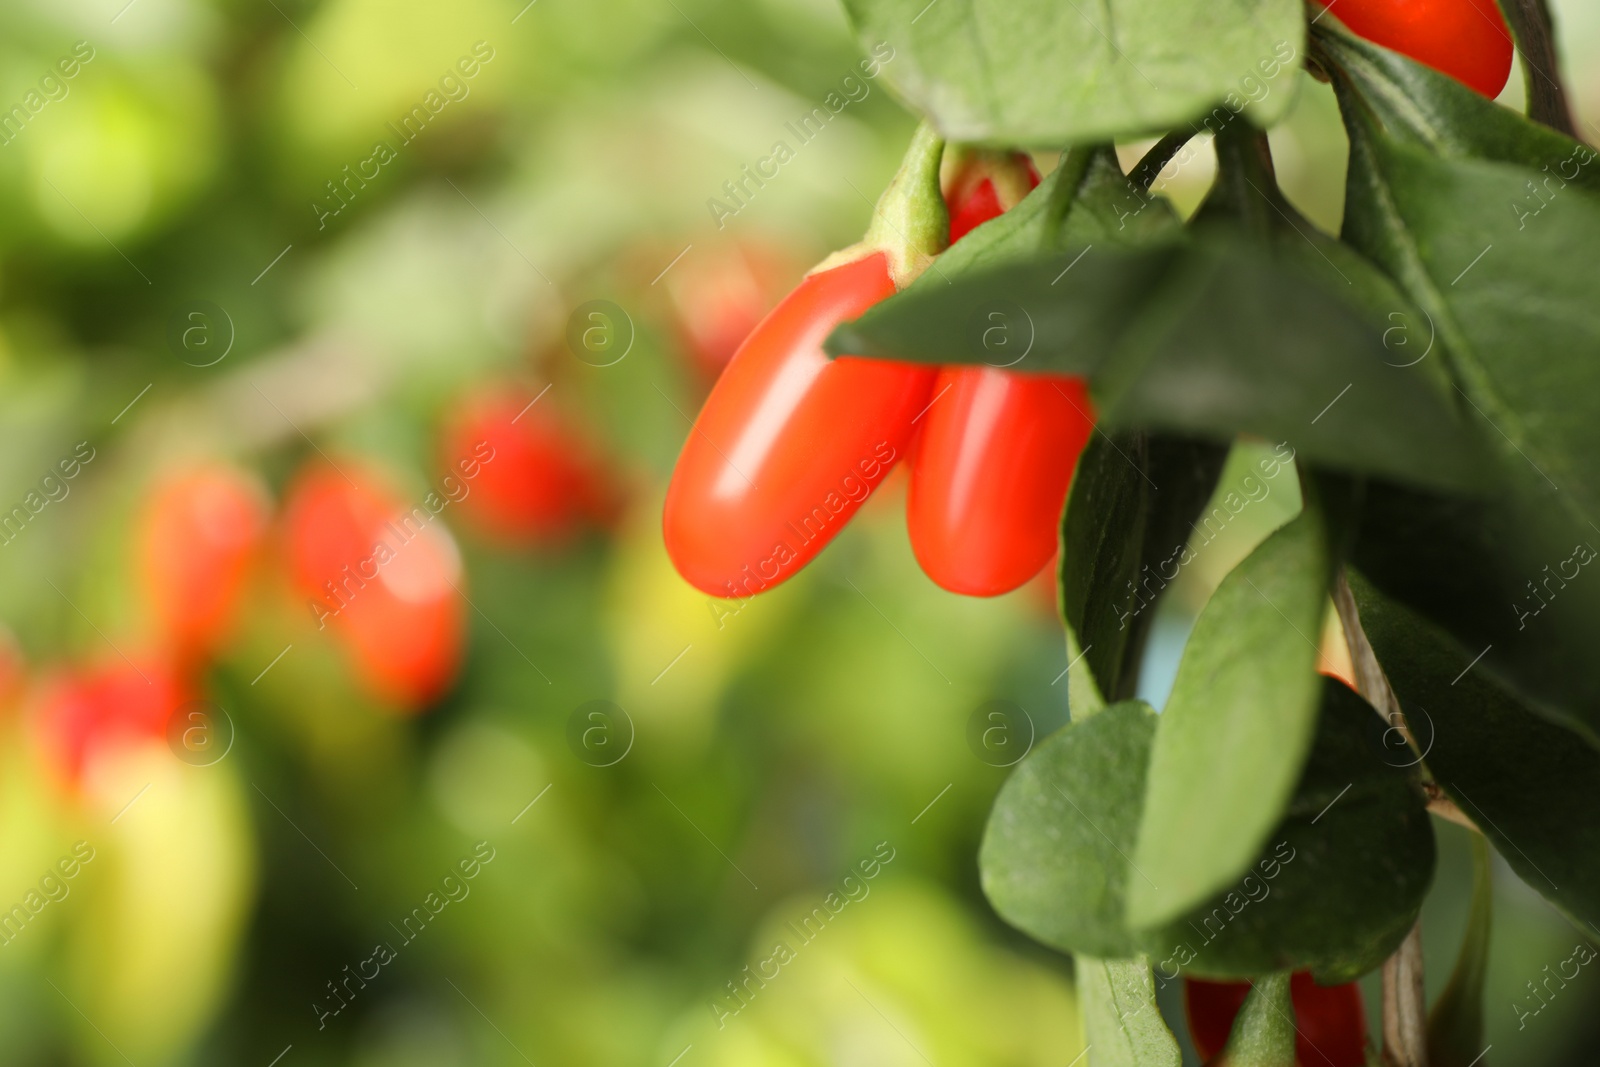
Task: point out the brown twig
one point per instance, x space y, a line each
1547 94
1405 1005
1405 1002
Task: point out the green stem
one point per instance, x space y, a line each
1263 1032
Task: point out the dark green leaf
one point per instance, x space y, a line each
1245 698
1531 786
1132 502
1121 1021
1263 1031
1036 72
1508 579
1344 876
1053 859
1336 892
1209 338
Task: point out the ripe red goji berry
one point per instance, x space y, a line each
199 536
384 578
528 474
789 443
1466 39
997 449
83 713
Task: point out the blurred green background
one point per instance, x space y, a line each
773 750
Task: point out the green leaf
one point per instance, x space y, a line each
1245 699
1418 105
1455 1022
1053 860
1122 1026
1208 338
1510 770
1493 261
1343 881
1507 579
1337 891
1129 511
1033 72
1263 1031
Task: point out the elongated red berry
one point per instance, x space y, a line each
789 443
381 575
198 538
1466 39
524 472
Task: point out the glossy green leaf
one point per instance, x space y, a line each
1033 72
1238 726
1122 1026
1263 1031
1054 855
1209 338
1126 523
1531 786
1341 880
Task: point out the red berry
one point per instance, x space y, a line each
1330 1022
789 443
997 449
199 535
719 294
973 210
983 184
82 714
382 576
990 476
1466 39
530 477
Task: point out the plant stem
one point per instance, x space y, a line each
1150 166
1547 94
1371 682
1405 1004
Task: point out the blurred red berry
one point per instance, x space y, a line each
1330 1021
719 293
529 475
384 577
983 184
84 713
199 536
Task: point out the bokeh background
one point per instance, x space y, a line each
208 264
